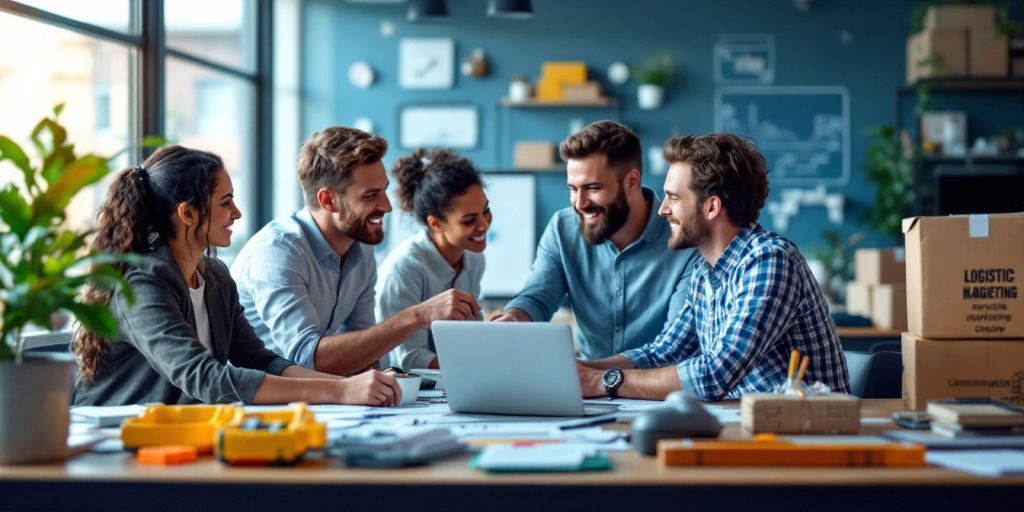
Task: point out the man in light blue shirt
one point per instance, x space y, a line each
608 252
306 281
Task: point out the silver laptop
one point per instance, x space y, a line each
525 368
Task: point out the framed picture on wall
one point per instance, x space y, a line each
426 63
439 125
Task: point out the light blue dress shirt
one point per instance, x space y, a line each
621 300
413 272
295 289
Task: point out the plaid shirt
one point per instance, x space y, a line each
743 317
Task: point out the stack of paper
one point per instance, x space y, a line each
992 463
102 417
539 457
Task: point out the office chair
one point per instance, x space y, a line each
876 374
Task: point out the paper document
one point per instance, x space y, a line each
105 416
549 456
991 463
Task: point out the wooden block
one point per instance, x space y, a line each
781 414
989 53
947 45
858 299
889 306
534 154
587 92
960 16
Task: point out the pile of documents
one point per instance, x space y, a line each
975 418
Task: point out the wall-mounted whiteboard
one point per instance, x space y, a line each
803 132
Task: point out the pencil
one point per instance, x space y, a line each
793 359
803 368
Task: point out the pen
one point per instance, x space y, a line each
803 368
600 420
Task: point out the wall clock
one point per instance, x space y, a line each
426 63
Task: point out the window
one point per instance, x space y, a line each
206 92
92 77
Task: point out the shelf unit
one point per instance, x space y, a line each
925 165
506 124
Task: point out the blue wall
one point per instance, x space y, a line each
856 44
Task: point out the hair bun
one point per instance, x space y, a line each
410 171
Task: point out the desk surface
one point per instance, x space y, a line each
110 480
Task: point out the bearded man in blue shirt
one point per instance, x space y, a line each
752 298
607 252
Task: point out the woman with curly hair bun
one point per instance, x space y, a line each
444 192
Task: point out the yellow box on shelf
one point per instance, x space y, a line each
275 437
549 90
191 425
565 73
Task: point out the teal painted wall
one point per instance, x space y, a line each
859 45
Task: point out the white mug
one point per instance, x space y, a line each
410 384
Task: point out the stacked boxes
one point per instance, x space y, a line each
965 308
878 290
566 81
958 40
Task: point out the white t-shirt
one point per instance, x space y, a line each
202 318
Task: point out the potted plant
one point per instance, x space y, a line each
654 74
43 268
890 167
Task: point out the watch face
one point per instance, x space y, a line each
612 378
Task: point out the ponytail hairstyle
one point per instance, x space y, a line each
428 181
136 217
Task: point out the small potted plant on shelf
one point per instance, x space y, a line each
43 267
654 75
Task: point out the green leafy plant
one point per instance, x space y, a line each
43 264
657 70
890 167
836 261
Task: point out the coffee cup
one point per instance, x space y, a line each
410 384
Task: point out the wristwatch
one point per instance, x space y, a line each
612 380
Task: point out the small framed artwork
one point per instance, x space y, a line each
426 63
439 125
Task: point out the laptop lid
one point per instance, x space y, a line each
524 368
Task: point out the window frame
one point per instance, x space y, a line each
148 81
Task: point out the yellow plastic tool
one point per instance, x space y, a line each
191 425
770 450
270 437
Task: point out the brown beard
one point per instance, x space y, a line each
691 233
356 228
615 216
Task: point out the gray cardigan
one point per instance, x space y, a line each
159 358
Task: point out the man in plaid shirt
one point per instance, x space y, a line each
752 298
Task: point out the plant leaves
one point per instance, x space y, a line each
96 318
79 174
14 211
10 150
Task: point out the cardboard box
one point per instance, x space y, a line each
879 266
858 299
783 414
534 154
565 73
586 92
549 90
934 369
889 306
960 16
964 276
947 45
989 53
1017 67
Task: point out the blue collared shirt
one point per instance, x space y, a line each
621 300
295 289
745 315
413 272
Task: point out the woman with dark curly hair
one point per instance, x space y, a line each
444 192
185 339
